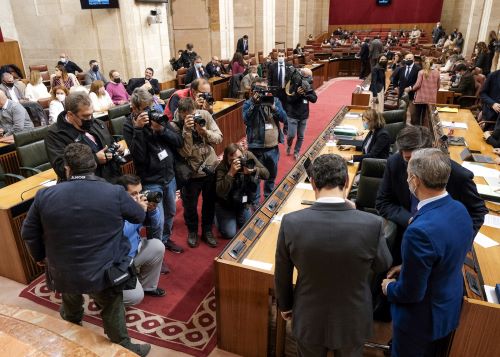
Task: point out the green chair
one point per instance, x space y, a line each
8 178
118 111
394 129
31 153
117 127
394 116
370 178
167 93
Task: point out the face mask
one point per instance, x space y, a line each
116 80
383 63
87 124
197 65
61 97
366 125
62 59
409 62
95 68
281 60
10 85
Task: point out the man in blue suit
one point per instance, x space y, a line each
427 296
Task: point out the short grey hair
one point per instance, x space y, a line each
139 97
76 100
431 166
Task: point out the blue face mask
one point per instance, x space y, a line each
365 125
197 65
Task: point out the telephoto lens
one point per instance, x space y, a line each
152 196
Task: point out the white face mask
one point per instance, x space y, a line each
61 97
281 60
62 59
197 65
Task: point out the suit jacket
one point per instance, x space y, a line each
191 75
330 308
91 76
466 85
378 147
364 52
19 89
376 48
401 81
240 47
490 94
71 67
378 80
213 71
393 198
427 297
134 83
14 118
273 75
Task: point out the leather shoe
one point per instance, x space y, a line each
209 238
158 292
174 248
140 349
193 239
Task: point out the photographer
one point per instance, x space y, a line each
146 253
200 134
76 124
297 107
199 92
237 178
262 114
151 141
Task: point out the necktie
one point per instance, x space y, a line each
407 71
280 75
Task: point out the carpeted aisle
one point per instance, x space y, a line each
184 320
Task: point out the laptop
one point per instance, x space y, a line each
467 155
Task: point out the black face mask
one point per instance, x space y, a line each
10 85
383 63
87 124
409 62
117 80
95 68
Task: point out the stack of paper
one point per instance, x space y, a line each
489 192
484 241
347 130
447 109
453 125
480 170
492 221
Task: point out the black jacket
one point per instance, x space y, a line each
191 75
483 62
490 94
494 139
401 81
364 52
212 70
187 58
379 147
240 47
71 67
144 145
134 83
77 225
378 80
393 197
297 106
466 85
62 133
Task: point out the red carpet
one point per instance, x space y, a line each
184 320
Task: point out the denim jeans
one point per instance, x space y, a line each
167 208
269 158
229 221
296 127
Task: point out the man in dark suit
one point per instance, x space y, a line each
406 76
437 33
277 77
70 66
147 82
466 85
331 310
242 45
364 57
427 296
490 96
394 199
196 71
74 230
214 67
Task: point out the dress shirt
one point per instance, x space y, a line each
408 70
429 200
35 92
13 95
330 199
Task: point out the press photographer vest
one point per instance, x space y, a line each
182 93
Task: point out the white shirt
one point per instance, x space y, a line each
13 95
429 200
55 108
101 103
330 199
35 92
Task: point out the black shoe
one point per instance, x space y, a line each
193 239
140 349
158 292
174 248
208 237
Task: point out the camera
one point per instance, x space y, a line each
207 170
298 81
113 150
158 118
246 162
208 98
198 119
153 197
265 96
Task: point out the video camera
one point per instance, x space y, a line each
265 95
298 81
158 118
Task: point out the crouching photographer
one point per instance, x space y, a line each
152 142
195 168
237 178
147 254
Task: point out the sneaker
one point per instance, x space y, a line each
174 248
193 239
296 156
158 292
140 349
209 238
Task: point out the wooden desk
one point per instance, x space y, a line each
228 114
479 327
319 72
219 87
245 293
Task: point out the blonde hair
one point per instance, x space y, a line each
427 66
375 119
95 86
34 77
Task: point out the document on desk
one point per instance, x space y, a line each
492 221
491 192
257 264
484 241
447 110
304 186
454 125
480 170
49 183
352 115
493 181
491 295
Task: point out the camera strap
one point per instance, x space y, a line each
86 177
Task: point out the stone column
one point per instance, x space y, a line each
471 35
292 23
265 20
226 20
485 20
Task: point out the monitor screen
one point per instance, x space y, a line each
99 4
383 2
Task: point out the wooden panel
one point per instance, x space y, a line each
168 84
229 117
10 53
220 87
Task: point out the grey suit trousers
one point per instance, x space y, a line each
306 350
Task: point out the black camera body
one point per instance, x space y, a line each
158 118
113 150
265 96
208 98
246 162
152 196
198 119
298 81
207 170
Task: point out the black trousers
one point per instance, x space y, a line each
365 68
190 194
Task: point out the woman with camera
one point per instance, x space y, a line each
237 177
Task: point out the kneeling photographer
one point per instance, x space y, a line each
262 114
152 142
195 168
300 92
237 178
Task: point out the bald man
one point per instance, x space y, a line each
13 117
214 67
71 67
297 110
